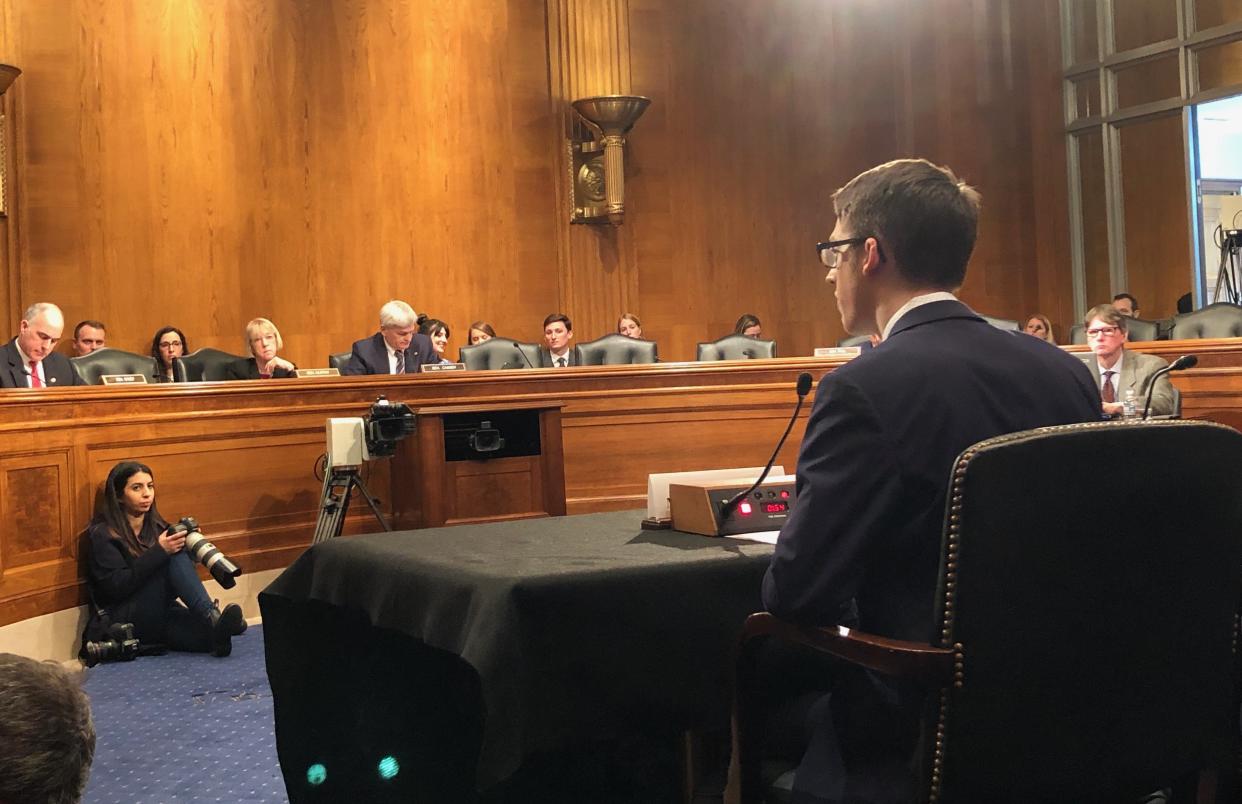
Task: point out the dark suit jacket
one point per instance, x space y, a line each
862 544
370 355
249 370
57 369
545 357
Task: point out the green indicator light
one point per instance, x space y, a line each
316 774
389 767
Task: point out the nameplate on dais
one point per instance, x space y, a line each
124 379
302 374
444 367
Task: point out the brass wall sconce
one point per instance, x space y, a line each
8 74
598 165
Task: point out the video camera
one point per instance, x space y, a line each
353 441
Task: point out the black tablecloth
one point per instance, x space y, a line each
577 626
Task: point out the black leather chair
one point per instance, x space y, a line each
614 350
207 365
500 353
1219 320
1072 662
92 367
1000 323
736 347
854 340
338 360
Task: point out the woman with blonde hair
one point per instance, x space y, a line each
264 341
1038 325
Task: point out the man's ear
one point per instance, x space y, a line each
871 259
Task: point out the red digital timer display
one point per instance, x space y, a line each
776 507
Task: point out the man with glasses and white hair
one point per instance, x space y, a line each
862 547
1117 370
30 359
397 348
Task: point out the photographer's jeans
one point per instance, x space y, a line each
183 576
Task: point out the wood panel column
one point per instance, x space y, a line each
8 175
589 54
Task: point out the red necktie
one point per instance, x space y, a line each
1107 393
35 382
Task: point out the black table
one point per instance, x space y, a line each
564 628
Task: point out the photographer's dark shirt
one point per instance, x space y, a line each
131 588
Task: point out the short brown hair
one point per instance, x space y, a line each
1108 314
564 319
923 214
47 736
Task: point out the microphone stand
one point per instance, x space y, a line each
1183 362
804 385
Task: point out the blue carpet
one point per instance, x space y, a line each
185 727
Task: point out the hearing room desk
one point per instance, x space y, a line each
240 456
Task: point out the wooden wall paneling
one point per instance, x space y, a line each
1153 180
429 135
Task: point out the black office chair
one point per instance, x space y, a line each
1068 665
338 360
1001 323
614 349
1219 320
854 340
208 365
736 347
92 367
500 353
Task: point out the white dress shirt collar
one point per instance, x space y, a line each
917 301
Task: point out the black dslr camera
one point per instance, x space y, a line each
204 552
120 646
386 424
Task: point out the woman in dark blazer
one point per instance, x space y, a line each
264 341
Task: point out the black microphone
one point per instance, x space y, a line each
804 386
750 355
1183 362
524 357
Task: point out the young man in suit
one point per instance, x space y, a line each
397 348
861 548
29 360
1118 370
558 331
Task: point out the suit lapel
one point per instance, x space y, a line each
17 373
1129 372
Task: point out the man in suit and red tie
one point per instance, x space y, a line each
397 348
29 360
862 547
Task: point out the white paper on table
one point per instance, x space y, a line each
765 536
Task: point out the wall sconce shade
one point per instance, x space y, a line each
598 180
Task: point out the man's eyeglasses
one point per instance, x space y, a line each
1103 332
830 251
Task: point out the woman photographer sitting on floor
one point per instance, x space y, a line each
137 570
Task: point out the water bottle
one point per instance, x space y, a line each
1129 406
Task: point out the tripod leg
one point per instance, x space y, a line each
334 506
371 501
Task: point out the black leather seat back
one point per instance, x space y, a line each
1096 633
736 347
92 367
500 353
1138 329
614 349
1219 320
208 365
338 360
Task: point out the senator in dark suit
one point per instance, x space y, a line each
861 546
397 348
558 331
29 361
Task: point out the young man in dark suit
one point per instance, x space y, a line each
558 331
29 360
397 348
861 547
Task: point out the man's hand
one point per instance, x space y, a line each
1113 408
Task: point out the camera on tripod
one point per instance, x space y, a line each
204 552
351 443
